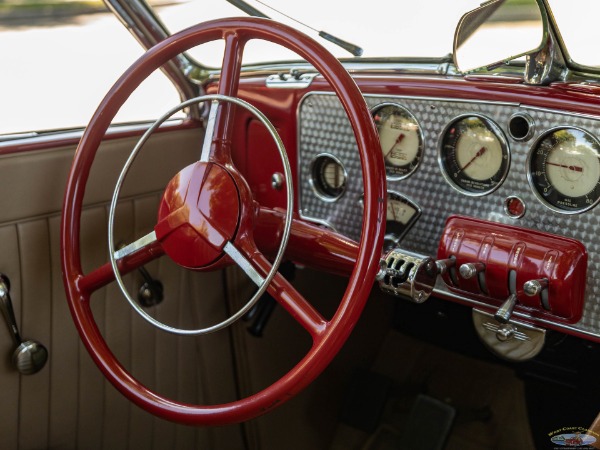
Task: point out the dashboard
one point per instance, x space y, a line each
528 167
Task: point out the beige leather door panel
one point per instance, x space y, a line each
69 404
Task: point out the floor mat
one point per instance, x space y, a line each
488 400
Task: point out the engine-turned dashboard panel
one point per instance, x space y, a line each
497 161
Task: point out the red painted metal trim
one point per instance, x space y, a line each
569 97
309 244
104 274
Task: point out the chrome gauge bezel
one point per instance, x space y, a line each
532 183
530 123
318 189
420 135
496 130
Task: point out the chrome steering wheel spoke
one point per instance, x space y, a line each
209 134
136 246
244 264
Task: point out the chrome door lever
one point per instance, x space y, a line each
29 356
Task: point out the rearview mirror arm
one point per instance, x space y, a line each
547 64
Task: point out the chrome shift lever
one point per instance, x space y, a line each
506 309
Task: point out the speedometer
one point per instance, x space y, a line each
401 139
564 170
474 155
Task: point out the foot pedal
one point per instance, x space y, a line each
427 428
365 401
429 424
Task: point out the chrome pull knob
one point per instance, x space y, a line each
535 287
443 265
469 270
505 311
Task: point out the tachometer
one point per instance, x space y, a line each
474 155
564 170
401 139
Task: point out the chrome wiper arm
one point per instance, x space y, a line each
248 9
252 11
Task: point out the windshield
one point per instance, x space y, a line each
577 21
388 28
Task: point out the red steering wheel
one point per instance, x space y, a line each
215 177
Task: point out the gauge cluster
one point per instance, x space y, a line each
516 159
504 163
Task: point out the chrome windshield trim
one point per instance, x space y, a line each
376 67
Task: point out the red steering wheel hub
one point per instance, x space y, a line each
198 214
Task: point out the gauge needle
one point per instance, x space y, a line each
477 155
398 140
394 213
573 168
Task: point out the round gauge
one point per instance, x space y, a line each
401 139
474 155
328 177
400 216
564 169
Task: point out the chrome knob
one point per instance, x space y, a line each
505 333
535 287
469 270
442 265
506 309
277 181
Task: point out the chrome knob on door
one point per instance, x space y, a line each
29 356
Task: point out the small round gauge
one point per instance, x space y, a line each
401 139
328 177
564 169
474 155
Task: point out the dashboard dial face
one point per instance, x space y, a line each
401 139
328 177
474 155
564 169
400 216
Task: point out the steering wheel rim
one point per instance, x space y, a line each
329 336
